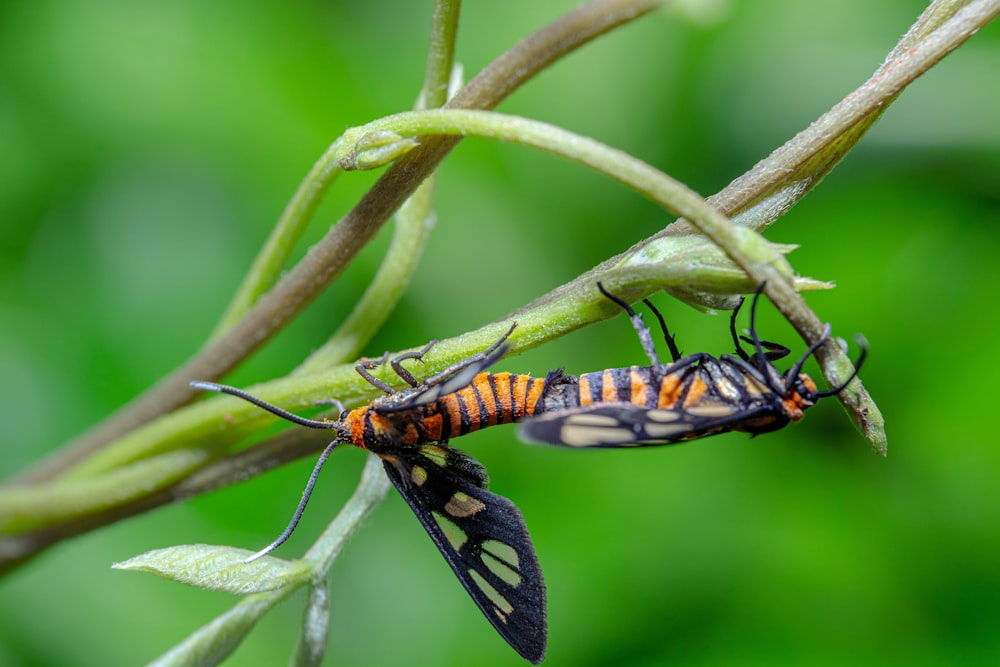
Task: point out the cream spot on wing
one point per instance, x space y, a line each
503 551
436 454
663 415
586 419
501 606
455 535
499 564
727 388
655 431
710 410
462 505
753 387
419 475
576 435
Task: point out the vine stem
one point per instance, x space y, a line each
761 261
943 27
414 221
328 258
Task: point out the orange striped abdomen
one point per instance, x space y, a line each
491 398
644 386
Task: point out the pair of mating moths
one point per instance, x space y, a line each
483 535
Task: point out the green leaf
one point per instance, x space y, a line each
219 568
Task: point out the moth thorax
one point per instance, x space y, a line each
353 428
800 396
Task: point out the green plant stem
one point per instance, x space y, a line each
935 16
749 251
413 223
300 211
212 426
273 256
212 643
330 256
573 305
223 421
441 54
97 494
263 456
668 192
776 183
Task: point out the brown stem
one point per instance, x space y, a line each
330 256
287 446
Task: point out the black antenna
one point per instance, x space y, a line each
273 409
863 344
794 371
675 354
306 494
295 419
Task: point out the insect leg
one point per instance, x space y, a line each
675 354
740 352
455 377
405 375
640 328
759 359
774 352
332 401
487 354
362 367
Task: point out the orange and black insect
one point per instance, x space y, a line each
481 535
691 397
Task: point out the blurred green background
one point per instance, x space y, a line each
147 148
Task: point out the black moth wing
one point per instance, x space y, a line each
449 381
482 536
611 425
